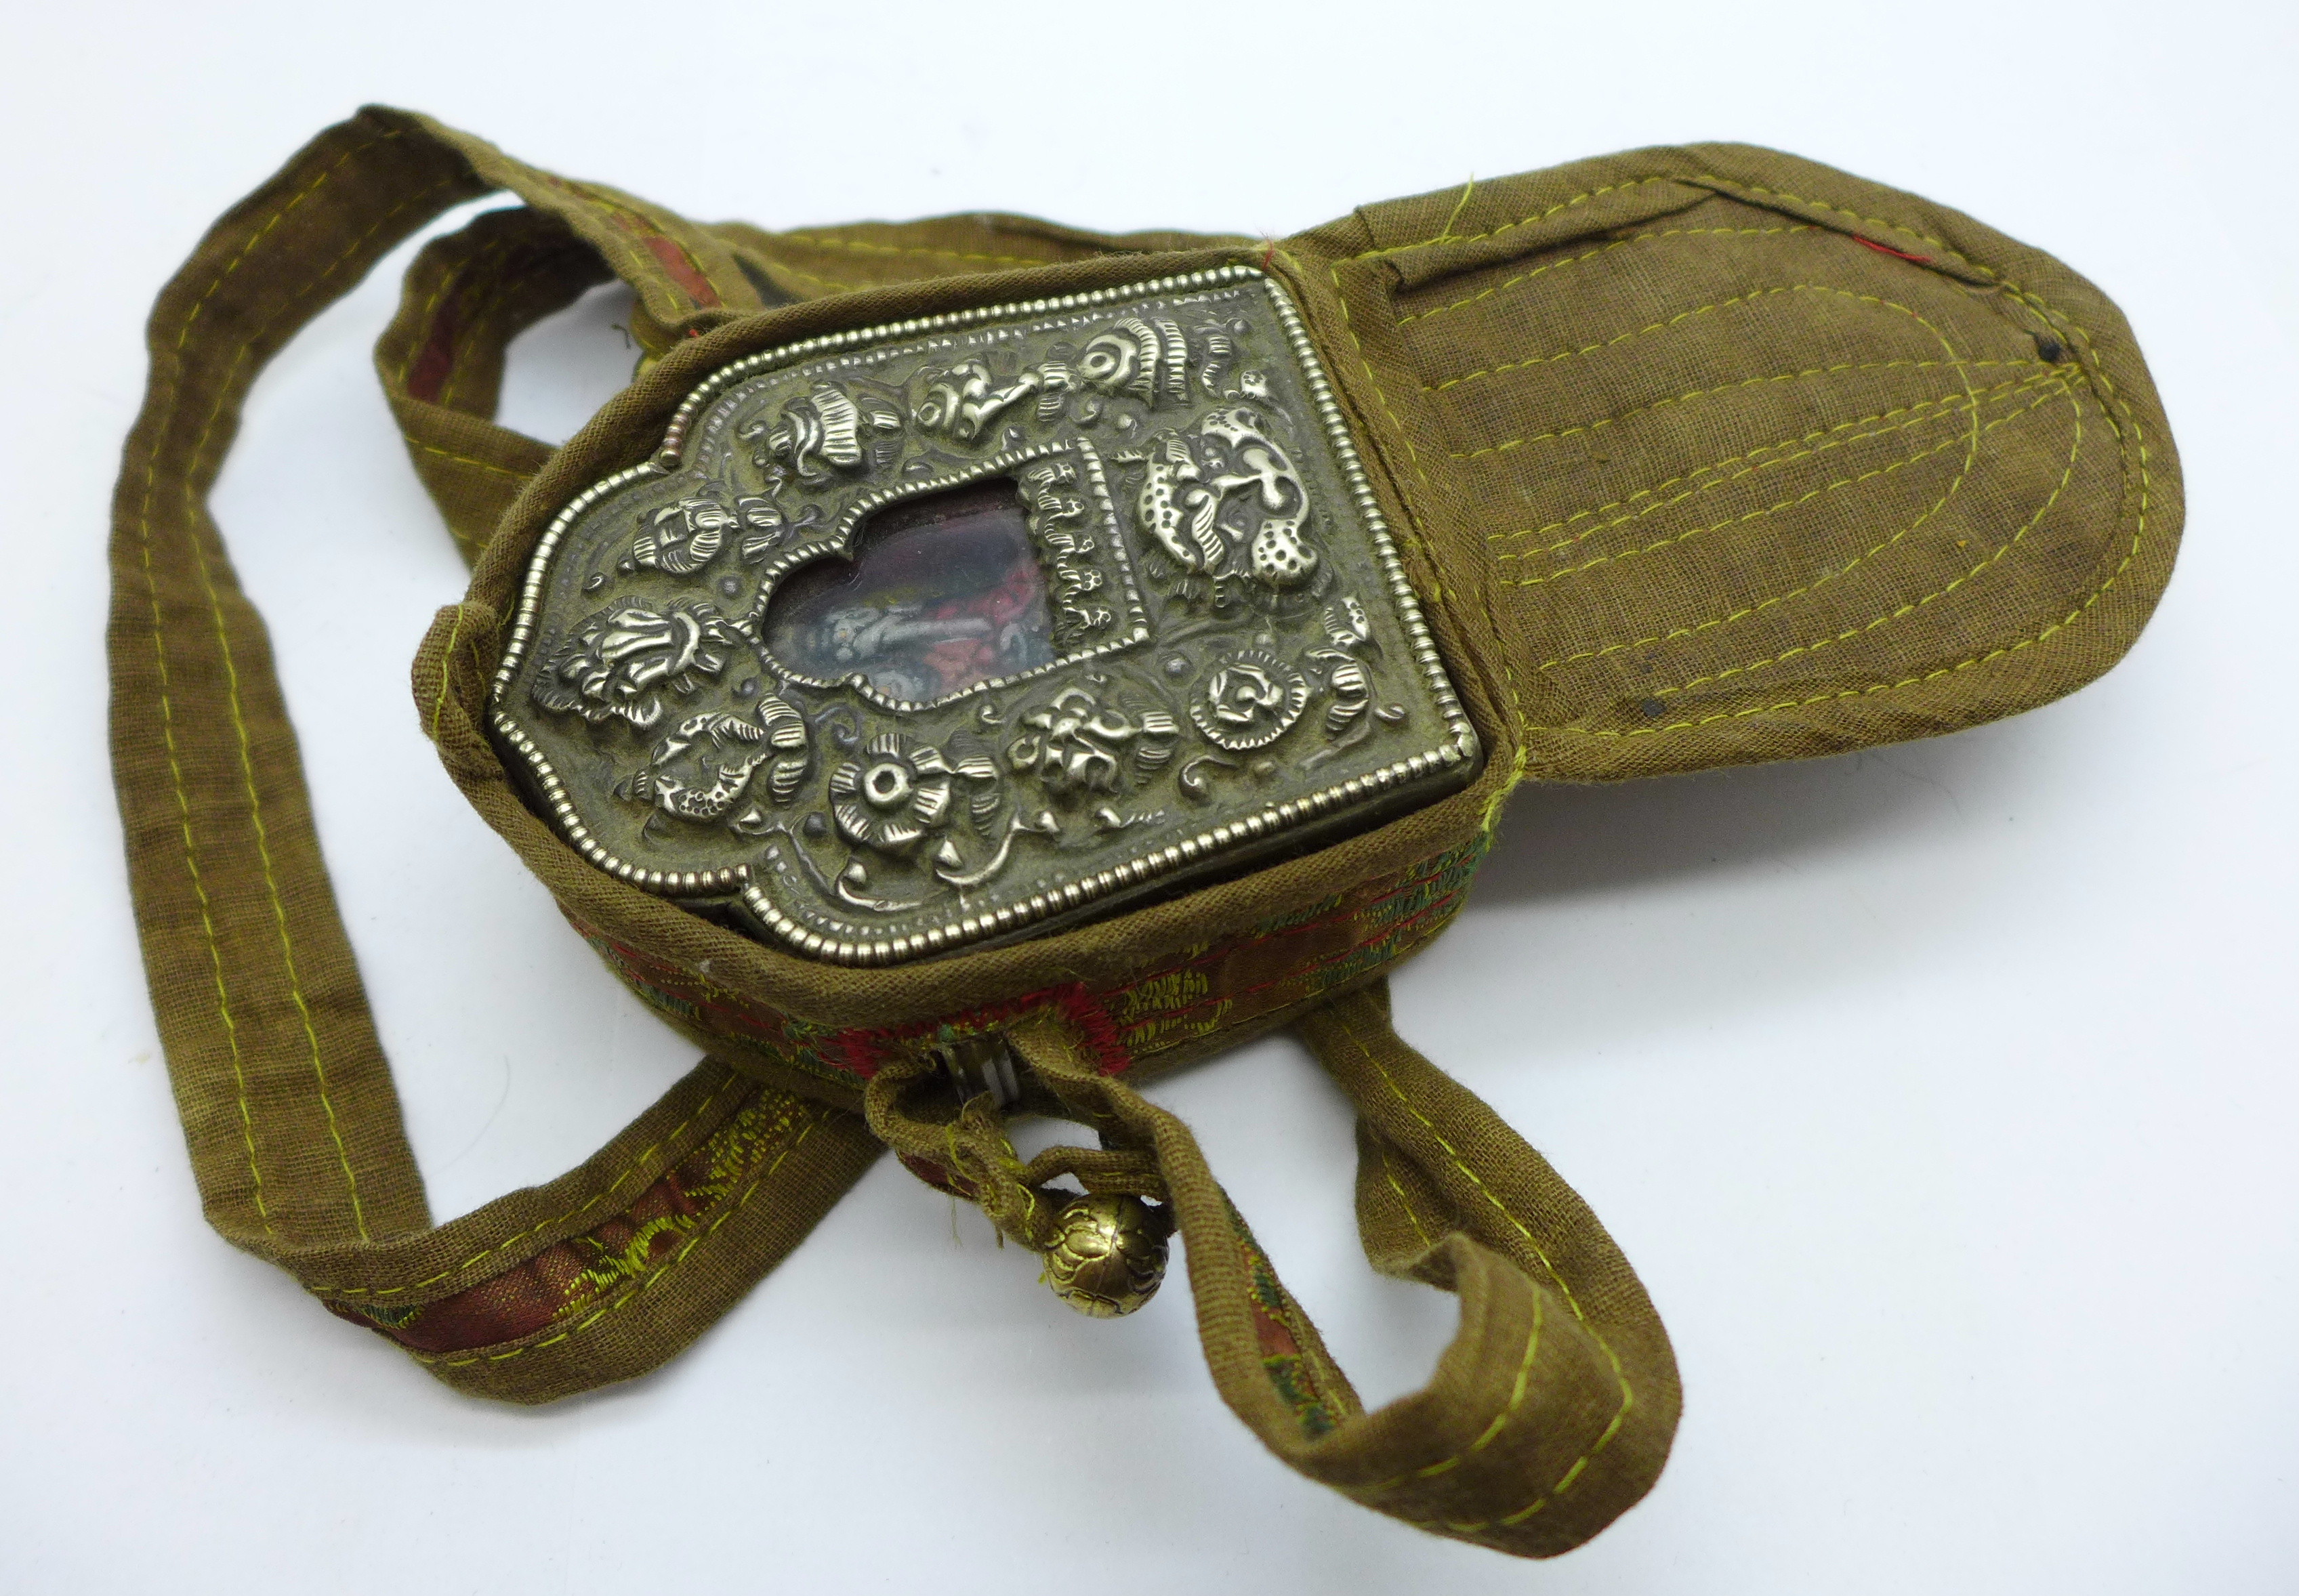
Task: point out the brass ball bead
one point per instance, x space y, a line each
1109 1254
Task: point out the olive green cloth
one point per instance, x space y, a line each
1697 456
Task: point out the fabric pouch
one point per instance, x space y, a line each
1691 456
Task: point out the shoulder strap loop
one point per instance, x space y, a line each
469 295
287 1104
1550 1415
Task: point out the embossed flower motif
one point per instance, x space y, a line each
898 792
825 432
684 537
617 661
1250 699
763 527
1075 744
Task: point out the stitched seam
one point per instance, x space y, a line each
1499 1420
820 242
807 1123
1942 408
418 330
1748 515
1873 221
451 274
1602 250
1577 199
2075 449
1785 505
1890 616
231 684
1579 427
498 300
167 414
1751 297
446 666
465 460
833 284
484 304
640 1164
2096 369
1389 1172
470 544
1567 354
2135 445
207 922
2134 449
1628 1395
1918 413
1484 597
637 249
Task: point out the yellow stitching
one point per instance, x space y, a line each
820 242
2056 319
635 247
1661 327
2074 448
1586 349
1388 1173
1579 427
1756 515
2139 538
1412 451
207 924
1499 1420
422 322
166 416
466 460
635 1166
446 666
1459 205
500 301
832 284
2137 443
2094 369
1484 595
231 687
1702 178
491 298
1873 221
1830 576
1628 1395
1577 199
806 1122
1592 254
450 272
1916 414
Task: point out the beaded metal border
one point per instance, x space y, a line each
1460 745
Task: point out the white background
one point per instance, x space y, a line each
1944 1096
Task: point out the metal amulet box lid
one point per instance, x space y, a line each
924 635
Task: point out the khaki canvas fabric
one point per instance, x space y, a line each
1696 456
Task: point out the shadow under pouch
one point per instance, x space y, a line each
979 664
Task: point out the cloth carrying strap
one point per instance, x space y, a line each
1551 1412
287 1101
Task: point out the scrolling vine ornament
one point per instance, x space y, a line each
929 634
